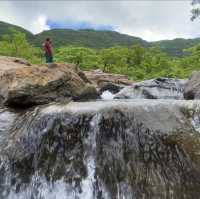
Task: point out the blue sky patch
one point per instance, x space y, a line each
69 24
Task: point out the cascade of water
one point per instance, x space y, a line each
102 150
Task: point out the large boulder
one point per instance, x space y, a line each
7 63
160 88
22 84
192 88
108 81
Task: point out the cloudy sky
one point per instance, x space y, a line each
150 20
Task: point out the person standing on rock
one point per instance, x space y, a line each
47 46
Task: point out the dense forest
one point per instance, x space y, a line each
136 61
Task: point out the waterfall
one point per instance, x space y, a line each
120 149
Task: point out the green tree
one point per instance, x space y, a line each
16 45
86 58
135 55
114 58
184 66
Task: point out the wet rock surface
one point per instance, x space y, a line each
95 150
160 88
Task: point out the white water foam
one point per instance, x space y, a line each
40 188
107 95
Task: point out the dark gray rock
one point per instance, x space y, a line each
160 88
113 88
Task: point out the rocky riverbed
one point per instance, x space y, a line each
141 142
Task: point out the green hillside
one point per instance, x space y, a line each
88 38
5 29
175 47
99 39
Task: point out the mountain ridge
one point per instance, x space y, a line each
99 39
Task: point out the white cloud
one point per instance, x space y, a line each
39 24
151 20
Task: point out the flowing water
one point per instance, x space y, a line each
116 149
107 95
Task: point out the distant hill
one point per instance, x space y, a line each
99 39
5 29
88 38
175 47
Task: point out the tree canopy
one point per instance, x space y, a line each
16 45
196 9
135 61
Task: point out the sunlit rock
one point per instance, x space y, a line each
23 85
107 81
192 88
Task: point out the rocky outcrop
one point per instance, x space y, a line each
192 88
101 150
22 84
107 81
7 63
160 88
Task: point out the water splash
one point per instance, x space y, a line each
41 188
107 95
